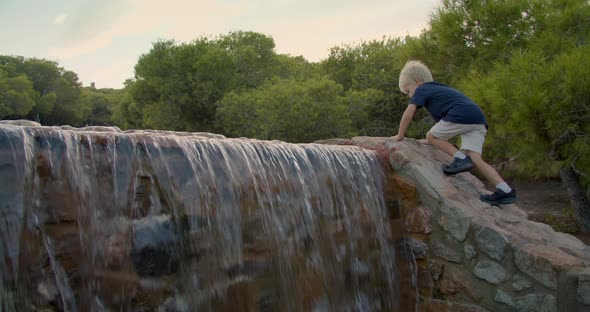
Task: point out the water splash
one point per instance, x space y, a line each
160 220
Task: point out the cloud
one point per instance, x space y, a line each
97 26
60 19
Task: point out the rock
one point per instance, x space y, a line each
419 248
505 298
469 251
117 245
425 282
418 220
101 129
583 292
544 262
175 304
536 303
455 281
491 242
446 306
520 283
443 251
454 220
21 122
407 191
153 250
436 269
491 272
47 291
335 141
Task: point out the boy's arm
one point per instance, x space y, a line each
405 122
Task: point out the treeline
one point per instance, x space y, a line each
237 85
40 90
525 62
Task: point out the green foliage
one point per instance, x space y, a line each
287 109
17 96
177 86
472 34
40 90
103 103
371 67
539 100
565 223
126 113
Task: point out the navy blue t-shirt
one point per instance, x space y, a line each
448 104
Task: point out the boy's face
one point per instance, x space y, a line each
410 88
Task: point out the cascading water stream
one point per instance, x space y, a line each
162 221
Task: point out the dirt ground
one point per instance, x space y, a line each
541 197
546 201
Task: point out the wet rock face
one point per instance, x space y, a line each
100 219
152 220
154 246
477 257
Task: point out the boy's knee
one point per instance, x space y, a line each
429 137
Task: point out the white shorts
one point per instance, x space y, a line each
472 136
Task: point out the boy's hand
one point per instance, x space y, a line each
398 137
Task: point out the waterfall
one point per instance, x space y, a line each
101 220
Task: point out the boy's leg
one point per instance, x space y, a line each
444 145
472 142
486 170
439 136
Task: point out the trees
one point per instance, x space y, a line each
473 34
368 74
177 86
539 101
542 107
40 90
17 96
103 103
292 110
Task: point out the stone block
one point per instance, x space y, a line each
491 242
455 281
520 283
436 269
505 298
536 303
544 262
583 292
419 220
446 306
469 251
454 220
491 272
419 247
407 190
443 251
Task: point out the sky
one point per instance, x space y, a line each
101 41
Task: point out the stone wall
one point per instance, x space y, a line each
475 257
96 219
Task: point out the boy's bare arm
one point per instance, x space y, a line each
405 122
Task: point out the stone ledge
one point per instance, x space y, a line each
492 239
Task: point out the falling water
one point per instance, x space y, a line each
162 221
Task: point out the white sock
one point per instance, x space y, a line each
459 155
504 187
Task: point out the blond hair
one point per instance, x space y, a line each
414 71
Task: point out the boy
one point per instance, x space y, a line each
455 114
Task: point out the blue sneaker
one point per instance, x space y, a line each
499 197
458 165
